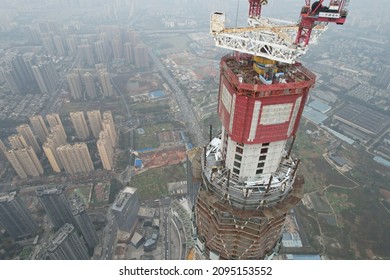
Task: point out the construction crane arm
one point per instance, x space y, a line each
275 40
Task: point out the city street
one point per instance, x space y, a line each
187 112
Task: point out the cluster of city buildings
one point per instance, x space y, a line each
22 70
25 152
53 50
16 107
75 236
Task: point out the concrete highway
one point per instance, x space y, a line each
109 237
166 231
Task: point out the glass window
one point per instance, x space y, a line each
262 158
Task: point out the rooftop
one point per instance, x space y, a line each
320 106
313 115
122 198
61 235
49 190
241 74
362 118
7 197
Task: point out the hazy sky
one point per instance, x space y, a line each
360 10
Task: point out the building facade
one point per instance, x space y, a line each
25 162
75 158
248 178
109 125
89 85
106 151
95 122
125 208
56 205
66 244
25 131
75 86
55 122
15 217
80 125
84 222
39 127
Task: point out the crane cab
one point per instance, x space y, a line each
335 12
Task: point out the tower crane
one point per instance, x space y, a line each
278 40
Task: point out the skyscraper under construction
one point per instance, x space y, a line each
248 177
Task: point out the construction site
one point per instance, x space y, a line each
248 178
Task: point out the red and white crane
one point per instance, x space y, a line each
275 39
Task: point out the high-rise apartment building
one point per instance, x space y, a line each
25 131
17 141
66 244
107 88
141 56
3 150
50 73
39 127
15 217
48 44
11 79
17 166
84 222
80 125
106 151
65 157
125 208
46 76
28 59
76 89
50 149
109 125
100 50
89 85
16 62
58 134
117 49
59 45
87 54
54 140
71 42
75 158
25 162
56 205
81 150
129 52
54 121
95 122
33 34
29 160
39 79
